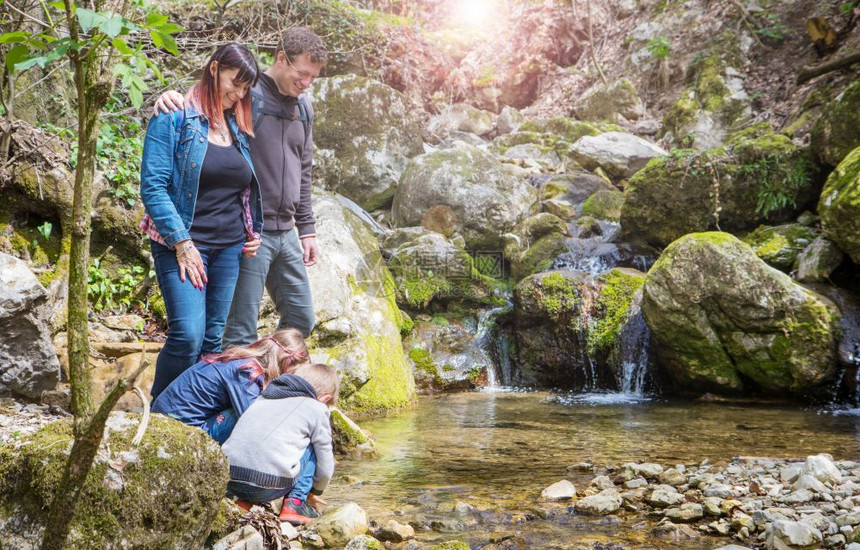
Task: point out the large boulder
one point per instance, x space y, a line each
837 131
364 135
714 102
758 177
620 154
460 117
163 493
839 206
485 200
358 322
28 361
616 101
535 243
574 187
722 319
568 327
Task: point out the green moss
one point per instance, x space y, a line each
391 385
568 129
780 245
835 134
424 363
539 256
552 295
681 115
348 436
190 468
612 307
839 206
604 204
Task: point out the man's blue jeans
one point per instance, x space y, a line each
278 267
301 487
195 317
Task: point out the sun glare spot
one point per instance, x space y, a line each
476 15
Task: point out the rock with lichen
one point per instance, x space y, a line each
758 177
118 503
616 101
604 205
837 131
839 206
364 136
724 321
780 246
534 244
460 117
485 200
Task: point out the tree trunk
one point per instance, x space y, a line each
93 94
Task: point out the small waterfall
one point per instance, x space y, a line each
633 356
495 344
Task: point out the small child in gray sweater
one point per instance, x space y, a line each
284 432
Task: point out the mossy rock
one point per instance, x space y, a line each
724 321
737 187
539 256
588 227
568 129
451 545
779 246
612 309
349 438
837 132
839 206
119 507
605 205
369 134
609 102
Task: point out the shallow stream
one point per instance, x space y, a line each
496 452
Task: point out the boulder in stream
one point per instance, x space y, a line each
339 525
618 153
722 318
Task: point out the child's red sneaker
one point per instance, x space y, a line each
297 512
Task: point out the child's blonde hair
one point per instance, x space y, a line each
280 353
322 377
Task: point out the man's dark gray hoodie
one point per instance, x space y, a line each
283 156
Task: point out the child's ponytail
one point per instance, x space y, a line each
269 357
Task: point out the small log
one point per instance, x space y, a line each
811 71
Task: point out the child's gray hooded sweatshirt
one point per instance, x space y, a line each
269 440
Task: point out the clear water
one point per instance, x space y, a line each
497 450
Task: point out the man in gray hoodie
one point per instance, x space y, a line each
282 152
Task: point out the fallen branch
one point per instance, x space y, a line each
811 71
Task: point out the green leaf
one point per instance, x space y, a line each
37 44
112 25
165 41
156 19
122 46
14 37
170 28
136 96
16 55
154 68
59 4
89 19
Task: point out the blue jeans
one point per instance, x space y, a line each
195 317
279 268
302 485
220 426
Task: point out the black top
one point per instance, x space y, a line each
218 219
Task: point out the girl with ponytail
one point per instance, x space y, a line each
215 392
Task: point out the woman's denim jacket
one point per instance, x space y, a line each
173 153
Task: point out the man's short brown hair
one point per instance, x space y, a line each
299 40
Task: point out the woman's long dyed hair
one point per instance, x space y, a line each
269 357
206 94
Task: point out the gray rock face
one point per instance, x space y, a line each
364 135
818 260
460 117
619 154
822 468
615 102
717 312
337 526
358 323
793 535
607 501
561 490
485 200
28 362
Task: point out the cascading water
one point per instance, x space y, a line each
495 344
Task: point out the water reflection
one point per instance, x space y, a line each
497 451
